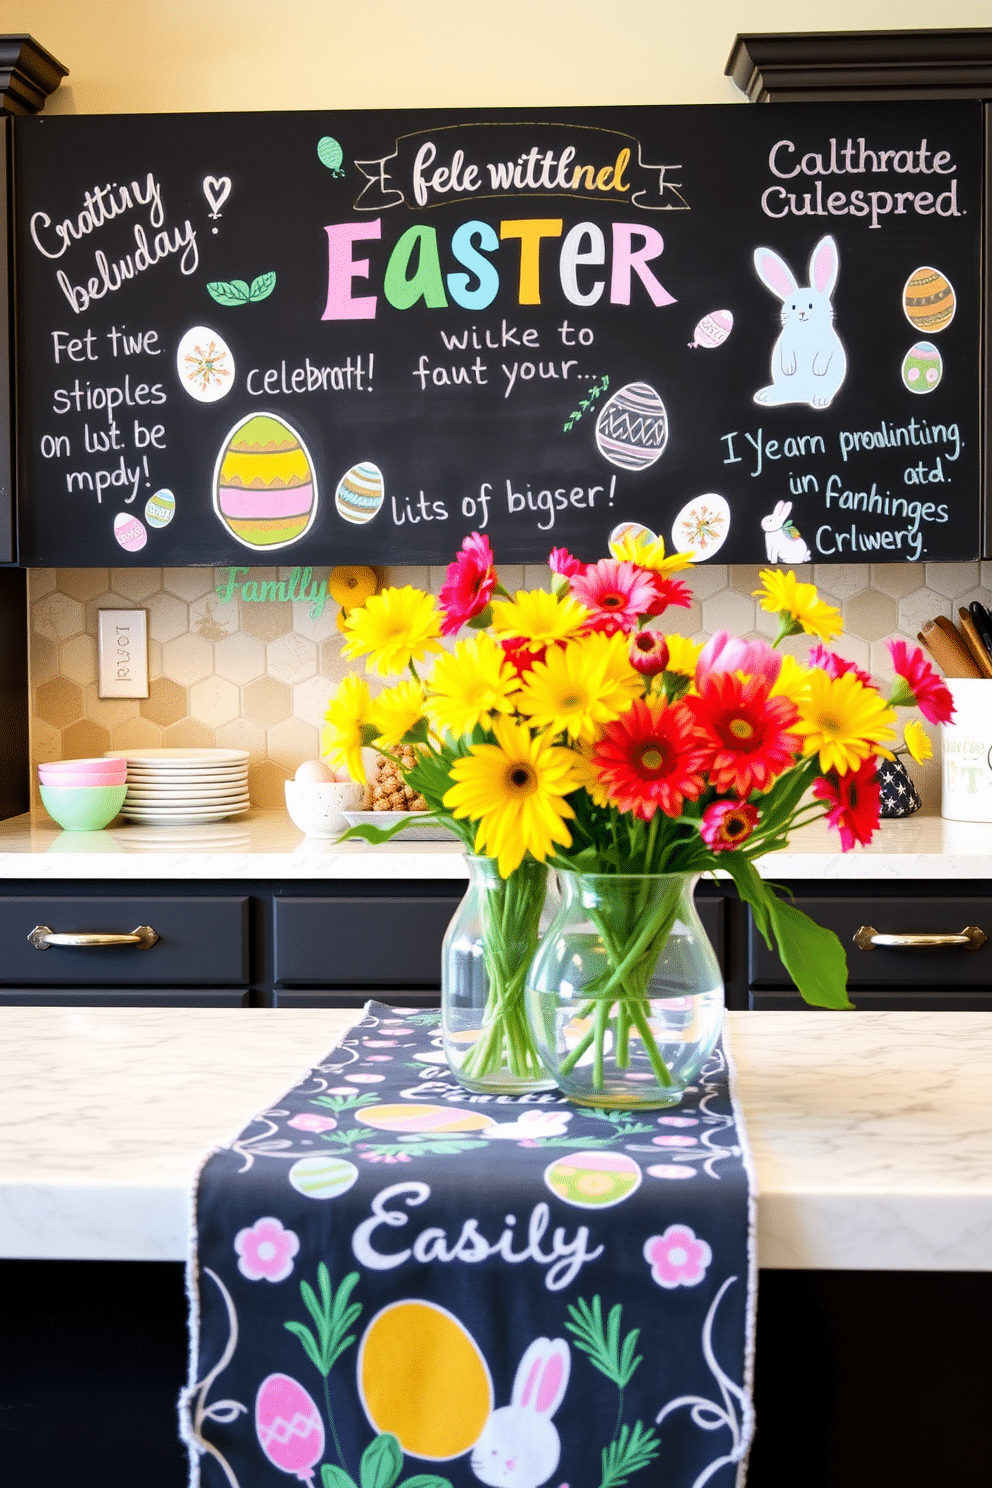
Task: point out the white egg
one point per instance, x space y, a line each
314 772
205 364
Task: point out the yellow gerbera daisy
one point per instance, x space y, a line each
918 741
635 546
396 711
515 790
586 775
393 628
798 606
347 726
843 721
538 618
469 684
682 655
579 686
792 681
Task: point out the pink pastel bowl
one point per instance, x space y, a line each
69 778
87 768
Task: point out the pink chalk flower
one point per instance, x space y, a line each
306 1121
468 584
266 1250
677 1258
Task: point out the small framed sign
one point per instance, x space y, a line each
123 644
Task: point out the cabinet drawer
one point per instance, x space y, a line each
129 997
342 997
352 942
916 967
201 942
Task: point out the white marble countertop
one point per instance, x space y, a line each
266 845
871 1133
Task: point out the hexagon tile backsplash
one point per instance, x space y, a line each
256 675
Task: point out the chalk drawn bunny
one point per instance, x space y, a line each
783 543
809 363
519 1447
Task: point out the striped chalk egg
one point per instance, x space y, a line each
928 300
265 490
360 493
632 429
320 1177
160 509
922 367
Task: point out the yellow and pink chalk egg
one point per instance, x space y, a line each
129 531
265 489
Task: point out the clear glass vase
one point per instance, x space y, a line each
624 995
484 958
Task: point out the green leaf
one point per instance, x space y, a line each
229 292
336 1477
302 1332
483 619
629 1453
263 286
813 956
419 734
382 1462
426 1480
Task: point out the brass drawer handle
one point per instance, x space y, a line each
868 938
42 936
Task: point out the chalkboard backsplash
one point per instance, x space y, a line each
245 672
355 337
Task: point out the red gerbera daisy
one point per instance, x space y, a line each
726 824
616 594
854 802
668 592
920 684
649 652
744 732
520 657
468 584
650 758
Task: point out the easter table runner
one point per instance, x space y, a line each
397 1284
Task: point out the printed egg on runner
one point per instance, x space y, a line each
265 489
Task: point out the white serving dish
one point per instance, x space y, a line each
428 831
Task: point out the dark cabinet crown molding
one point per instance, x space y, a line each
823 66
28 74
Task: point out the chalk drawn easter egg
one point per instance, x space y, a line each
701 526
160 509
288 1426
130 532
265 490
929 301
593 1180
322 1177
422 1119
632 428
205 365
922 368
626 537
713 329
360 493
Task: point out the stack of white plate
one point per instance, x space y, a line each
184 787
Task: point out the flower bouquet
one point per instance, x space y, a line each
565 728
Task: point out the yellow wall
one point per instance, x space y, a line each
161 55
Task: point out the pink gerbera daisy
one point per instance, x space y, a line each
854 801
835 666
919 684
726 824
562 562
468 584
616 594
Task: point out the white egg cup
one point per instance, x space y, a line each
317 808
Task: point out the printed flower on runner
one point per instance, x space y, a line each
650 759
744 733
515 789
266 1250
853 802
677 1258
468 585
393 629
919 684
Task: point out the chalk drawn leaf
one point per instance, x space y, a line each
262 287
229 292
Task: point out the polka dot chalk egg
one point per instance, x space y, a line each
593 1180
265 491
922 368
360 493
928 300
632 429
160 509
130 532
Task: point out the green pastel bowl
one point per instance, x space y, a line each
82 808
